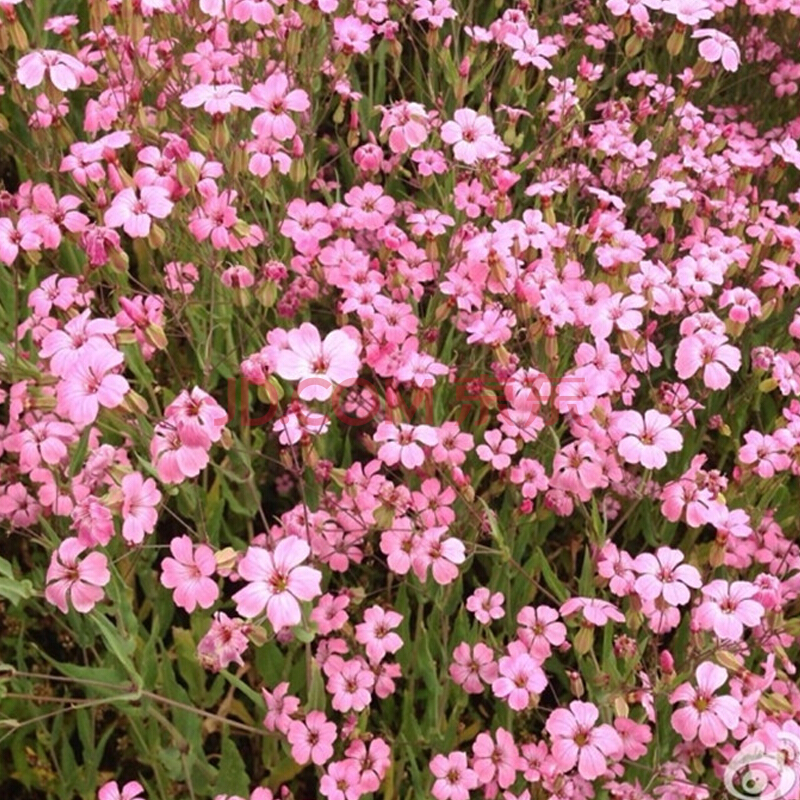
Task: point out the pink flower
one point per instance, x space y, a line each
648 439
351 35
540 630
595 611
403 443
472 667
91 384
280 707
139 500
79 581
179 450
67 346
188 572
63 70
442 555
342 781
717 46
277 582
729 607
318 364
472 136
216 99
577 739
663 575
710 352
495 759
312 739
485 605
132 790
705 716
275 97
497 450
689 12
520 677
24 236
454 779
224 643
133 214
350 684
376 633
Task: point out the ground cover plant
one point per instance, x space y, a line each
400 399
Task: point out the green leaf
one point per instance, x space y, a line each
120 647
550 578
232 778
11 588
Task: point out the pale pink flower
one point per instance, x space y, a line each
275 97
705 716
133 213
312 739
728 608
711 353
485 605
63 70
520 677
454 779
689 12
496 759
132 790
216 99
92 384
80 582
441 554
22 236
577 739
717 46
540 630
318 364
472 136
189 573
139 500
663 575
179 450
277 582
472 667
595 611
376 632
648 439
280 707
497 450
403 443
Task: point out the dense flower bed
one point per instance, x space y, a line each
401 398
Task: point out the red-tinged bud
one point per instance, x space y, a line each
298 150
464 67
666 662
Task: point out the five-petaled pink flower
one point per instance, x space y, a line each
92 384
277 582
79 581
318 364
454 779
663 575
647 439
577 739
189 573
472 136
728 608
705 716
133 213
63 70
